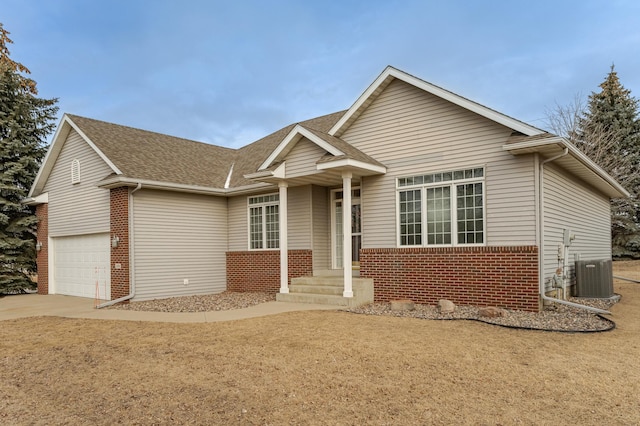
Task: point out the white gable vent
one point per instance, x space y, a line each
75 171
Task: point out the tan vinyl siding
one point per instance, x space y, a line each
510 201
238 223
299 220
299 215
321 228
413 132
570 204
178 236
81 208
302 159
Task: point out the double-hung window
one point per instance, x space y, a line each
445 208
264 222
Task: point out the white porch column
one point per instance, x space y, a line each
346 232
284 246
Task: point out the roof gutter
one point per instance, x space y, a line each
132 279
575 153
117 181
541 239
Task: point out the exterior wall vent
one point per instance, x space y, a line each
594 278
75 171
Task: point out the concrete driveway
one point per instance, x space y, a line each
32 305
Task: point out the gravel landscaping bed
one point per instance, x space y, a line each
204 303
555 317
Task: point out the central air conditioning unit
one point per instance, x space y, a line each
594 278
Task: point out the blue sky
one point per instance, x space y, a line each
231 72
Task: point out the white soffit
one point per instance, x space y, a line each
576 162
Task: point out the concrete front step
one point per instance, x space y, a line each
328 290
335 290
322 299
328 281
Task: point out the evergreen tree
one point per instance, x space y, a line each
25 122
614 112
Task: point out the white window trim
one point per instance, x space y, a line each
264 227
454 208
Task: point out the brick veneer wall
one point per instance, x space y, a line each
249 271
42 256
119 218
485 276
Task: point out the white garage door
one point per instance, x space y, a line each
81 266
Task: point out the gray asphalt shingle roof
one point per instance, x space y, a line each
142 154
153 156
349 151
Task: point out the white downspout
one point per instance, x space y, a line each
541 248
132 280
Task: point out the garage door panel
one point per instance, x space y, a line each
80 262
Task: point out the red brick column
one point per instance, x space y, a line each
42 256
120 255
485 276
259 270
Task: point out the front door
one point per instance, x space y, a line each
337 227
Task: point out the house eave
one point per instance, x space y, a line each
294 135
576 160
35 201
59 138
259 175
119 181
349 164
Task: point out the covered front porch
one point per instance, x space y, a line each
334 172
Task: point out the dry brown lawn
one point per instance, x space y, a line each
320 368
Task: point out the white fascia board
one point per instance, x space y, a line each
34 201
575 153
293 136
117 181
589 163
94 147
534 144
361 100
441 93
59 138
351 163
51 156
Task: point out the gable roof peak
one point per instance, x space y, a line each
390 74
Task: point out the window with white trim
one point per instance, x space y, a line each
75 171
445 208
264 222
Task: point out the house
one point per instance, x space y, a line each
448 199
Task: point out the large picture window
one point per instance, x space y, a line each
264 222
442 208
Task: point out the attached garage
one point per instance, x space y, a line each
180 244
81 266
